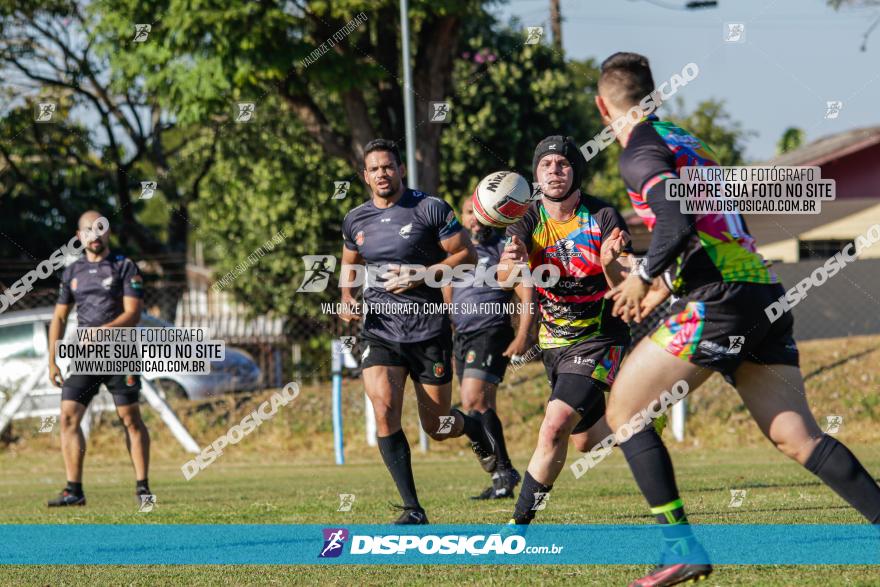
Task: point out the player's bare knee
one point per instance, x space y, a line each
70 421
385 412
133 423
551 434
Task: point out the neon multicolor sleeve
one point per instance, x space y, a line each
699 248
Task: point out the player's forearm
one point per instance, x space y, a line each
617 270
526 317
435 272
510 273
56 327
127 319
525 310
346 278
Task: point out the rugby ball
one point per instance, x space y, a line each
501 199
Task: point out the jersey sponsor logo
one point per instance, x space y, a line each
438 369
385 220
406 231
359 237
137 282
584 361
334 538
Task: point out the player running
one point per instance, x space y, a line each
582 342
399 226
718 324
484 342
108 291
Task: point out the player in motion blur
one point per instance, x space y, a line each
582 342
718 324
399 227
484 342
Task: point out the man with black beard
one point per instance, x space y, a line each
396 229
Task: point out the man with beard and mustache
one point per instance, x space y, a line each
395 231
108 291
484 341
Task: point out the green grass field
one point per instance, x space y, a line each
278 490
283 474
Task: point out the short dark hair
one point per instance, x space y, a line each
381 145
626 78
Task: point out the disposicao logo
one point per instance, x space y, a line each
334 538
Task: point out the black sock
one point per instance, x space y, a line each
142 484
396 454
74 488
493 424
840 470
524 512
651 466
473 425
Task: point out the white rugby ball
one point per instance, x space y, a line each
501 199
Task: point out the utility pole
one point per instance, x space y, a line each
556 24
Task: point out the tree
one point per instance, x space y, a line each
507 97
75 52
790 140
336 66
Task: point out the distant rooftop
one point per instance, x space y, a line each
831 147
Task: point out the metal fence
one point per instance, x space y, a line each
298 347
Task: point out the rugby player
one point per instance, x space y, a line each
108 291
396 228
718 324
484 342
581 342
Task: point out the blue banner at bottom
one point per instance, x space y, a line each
165 544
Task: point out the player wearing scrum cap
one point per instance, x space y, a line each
581 342
718 324
398 226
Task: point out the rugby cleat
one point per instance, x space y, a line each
66 498
411 516
143 496
508 479
674 574
488 493
504 481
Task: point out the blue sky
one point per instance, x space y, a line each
797 55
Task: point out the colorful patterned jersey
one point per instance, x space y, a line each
720 248
573 309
